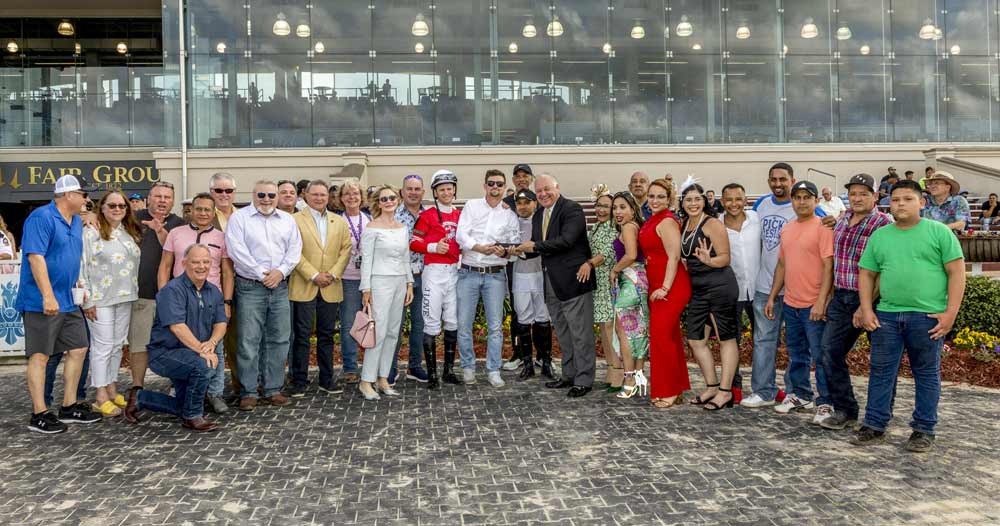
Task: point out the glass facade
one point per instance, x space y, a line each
314 73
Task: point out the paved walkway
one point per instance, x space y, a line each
516 455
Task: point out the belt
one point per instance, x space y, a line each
257 280
486 270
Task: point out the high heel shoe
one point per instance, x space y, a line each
712 406
628 391
641 382
698 401
369 393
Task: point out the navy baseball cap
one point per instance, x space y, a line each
522 168
807 186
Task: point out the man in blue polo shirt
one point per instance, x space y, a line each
189 324
53 322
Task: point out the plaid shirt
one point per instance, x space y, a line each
849 243
952 210
404 216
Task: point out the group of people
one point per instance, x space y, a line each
251 286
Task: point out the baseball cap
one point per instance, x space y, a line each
72 183
807 186
522 168
525 194
134 196
862 179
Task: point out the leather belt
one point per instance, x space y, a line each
259 281
486 270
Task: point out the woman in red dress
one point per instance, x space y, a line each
660 240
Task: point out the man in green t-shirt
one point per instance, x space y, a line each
912 251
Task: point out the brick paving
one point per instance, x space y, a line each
516 455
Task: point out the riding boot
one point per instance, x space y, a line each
450 346
541 335
430 359
523 351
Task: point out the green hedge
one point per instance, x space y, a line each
981 306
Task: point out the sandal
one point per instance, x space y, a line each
662 403
698 401
712 406
108 408
120 401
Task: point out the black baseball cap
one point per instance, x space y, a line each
807 186
525 194
522 168
862 179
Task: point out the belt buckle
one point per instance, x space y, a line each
482 270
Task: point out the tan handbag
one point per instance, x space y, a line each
363 330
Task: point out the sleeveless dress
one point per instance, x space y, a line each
630 297
715 291
668 374
600 237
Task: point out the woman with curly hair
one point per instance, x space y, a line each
629 290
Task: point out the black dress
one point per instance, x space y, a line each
714 291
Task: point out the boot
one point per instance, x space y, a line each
430 359
523 350
450 346
541 335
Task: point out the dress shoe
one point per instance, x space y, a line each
577 391
132 407
248 403
277 400
547 370
558 384
527 371
199 424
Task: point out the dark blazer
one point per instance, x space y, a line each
564 249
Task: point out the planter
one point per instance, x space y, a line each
980 248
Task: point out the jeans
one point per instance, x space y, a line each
803 339
217 381
50 377
901 330
190 375
264 318
986 222
348 309
304 313
766 335
493 289
416 329
839 338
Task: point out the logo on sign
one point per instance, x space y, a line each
770 230
11 326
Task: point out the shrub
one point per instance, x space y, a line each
979 310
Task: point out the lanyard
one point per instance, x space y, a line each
356 234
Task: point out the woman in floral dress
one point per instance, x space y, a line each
601 236
108 273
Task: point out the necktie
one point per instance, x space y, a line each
545 223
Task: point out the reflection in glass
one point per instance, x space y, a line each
809 105
751 108
863 89
916 90
971 108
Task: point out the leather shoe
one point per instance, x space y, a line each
277 400
577 391
199 424
248 403
558 384
132 407
527 371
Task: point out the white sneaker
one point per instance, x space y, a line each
512 365
469 376
495 380
822 413
792 402
755 400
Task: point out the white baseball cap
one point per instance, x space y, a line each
70 183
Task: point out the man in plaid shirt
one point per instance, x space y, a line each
851 235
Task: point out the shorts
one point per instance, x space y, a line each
141 325
713 304
51 335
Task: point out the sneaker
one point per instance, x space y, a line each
867 436
823 412
495 380
920 442
417 373
792 403
755 400
297 391
512 364
837 421
78 413
332 388
469 376
47 423
217 405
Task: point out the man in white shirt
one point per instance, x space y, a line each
265 246
743 228
831 204
486 231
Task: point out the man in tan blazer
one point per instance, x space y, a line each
315 290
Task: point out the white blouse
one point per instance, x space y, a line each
384 252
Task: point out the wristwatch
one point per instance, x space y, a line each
228 302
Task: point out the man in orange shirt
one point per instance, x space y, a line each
805 270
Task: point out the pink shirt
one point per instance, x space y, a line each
804 245
184 236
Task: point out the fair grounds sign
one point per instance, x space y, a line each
33 181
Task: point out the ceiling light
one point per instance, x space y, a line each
220 47
77 48
319 47
809 29
420 27
418 47
684 29
12 46
784 48
281 27
555 27
302 31
844 33
696 47
866 49
938 34
743 32
606 48
638 31
955 50
512 47
65 28
529 30
927 30
121 48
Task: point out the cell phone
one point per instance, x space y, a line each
507 245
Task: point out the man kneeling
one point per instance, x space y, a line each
190 322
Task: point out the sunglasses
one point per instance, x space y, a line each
116 206
269 195
163 184
387 199
82 194
496 184
413 176
223 190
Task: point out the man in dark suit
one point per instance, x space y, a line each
559 235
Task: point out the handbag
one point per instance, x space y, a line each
363 330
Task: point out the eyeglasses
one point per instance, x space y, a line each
388 199
163 184
116 206
223 190
269 195
496 184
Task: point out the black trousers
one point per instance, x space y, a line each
325 315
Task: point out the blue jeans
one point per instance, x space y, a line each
766 335
190 375
265 322
50 377
349 307
416 329
803 339
901 330
493 289
217 383
839 338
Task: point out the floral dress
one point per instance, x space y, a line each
601 237
109 269
630 296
